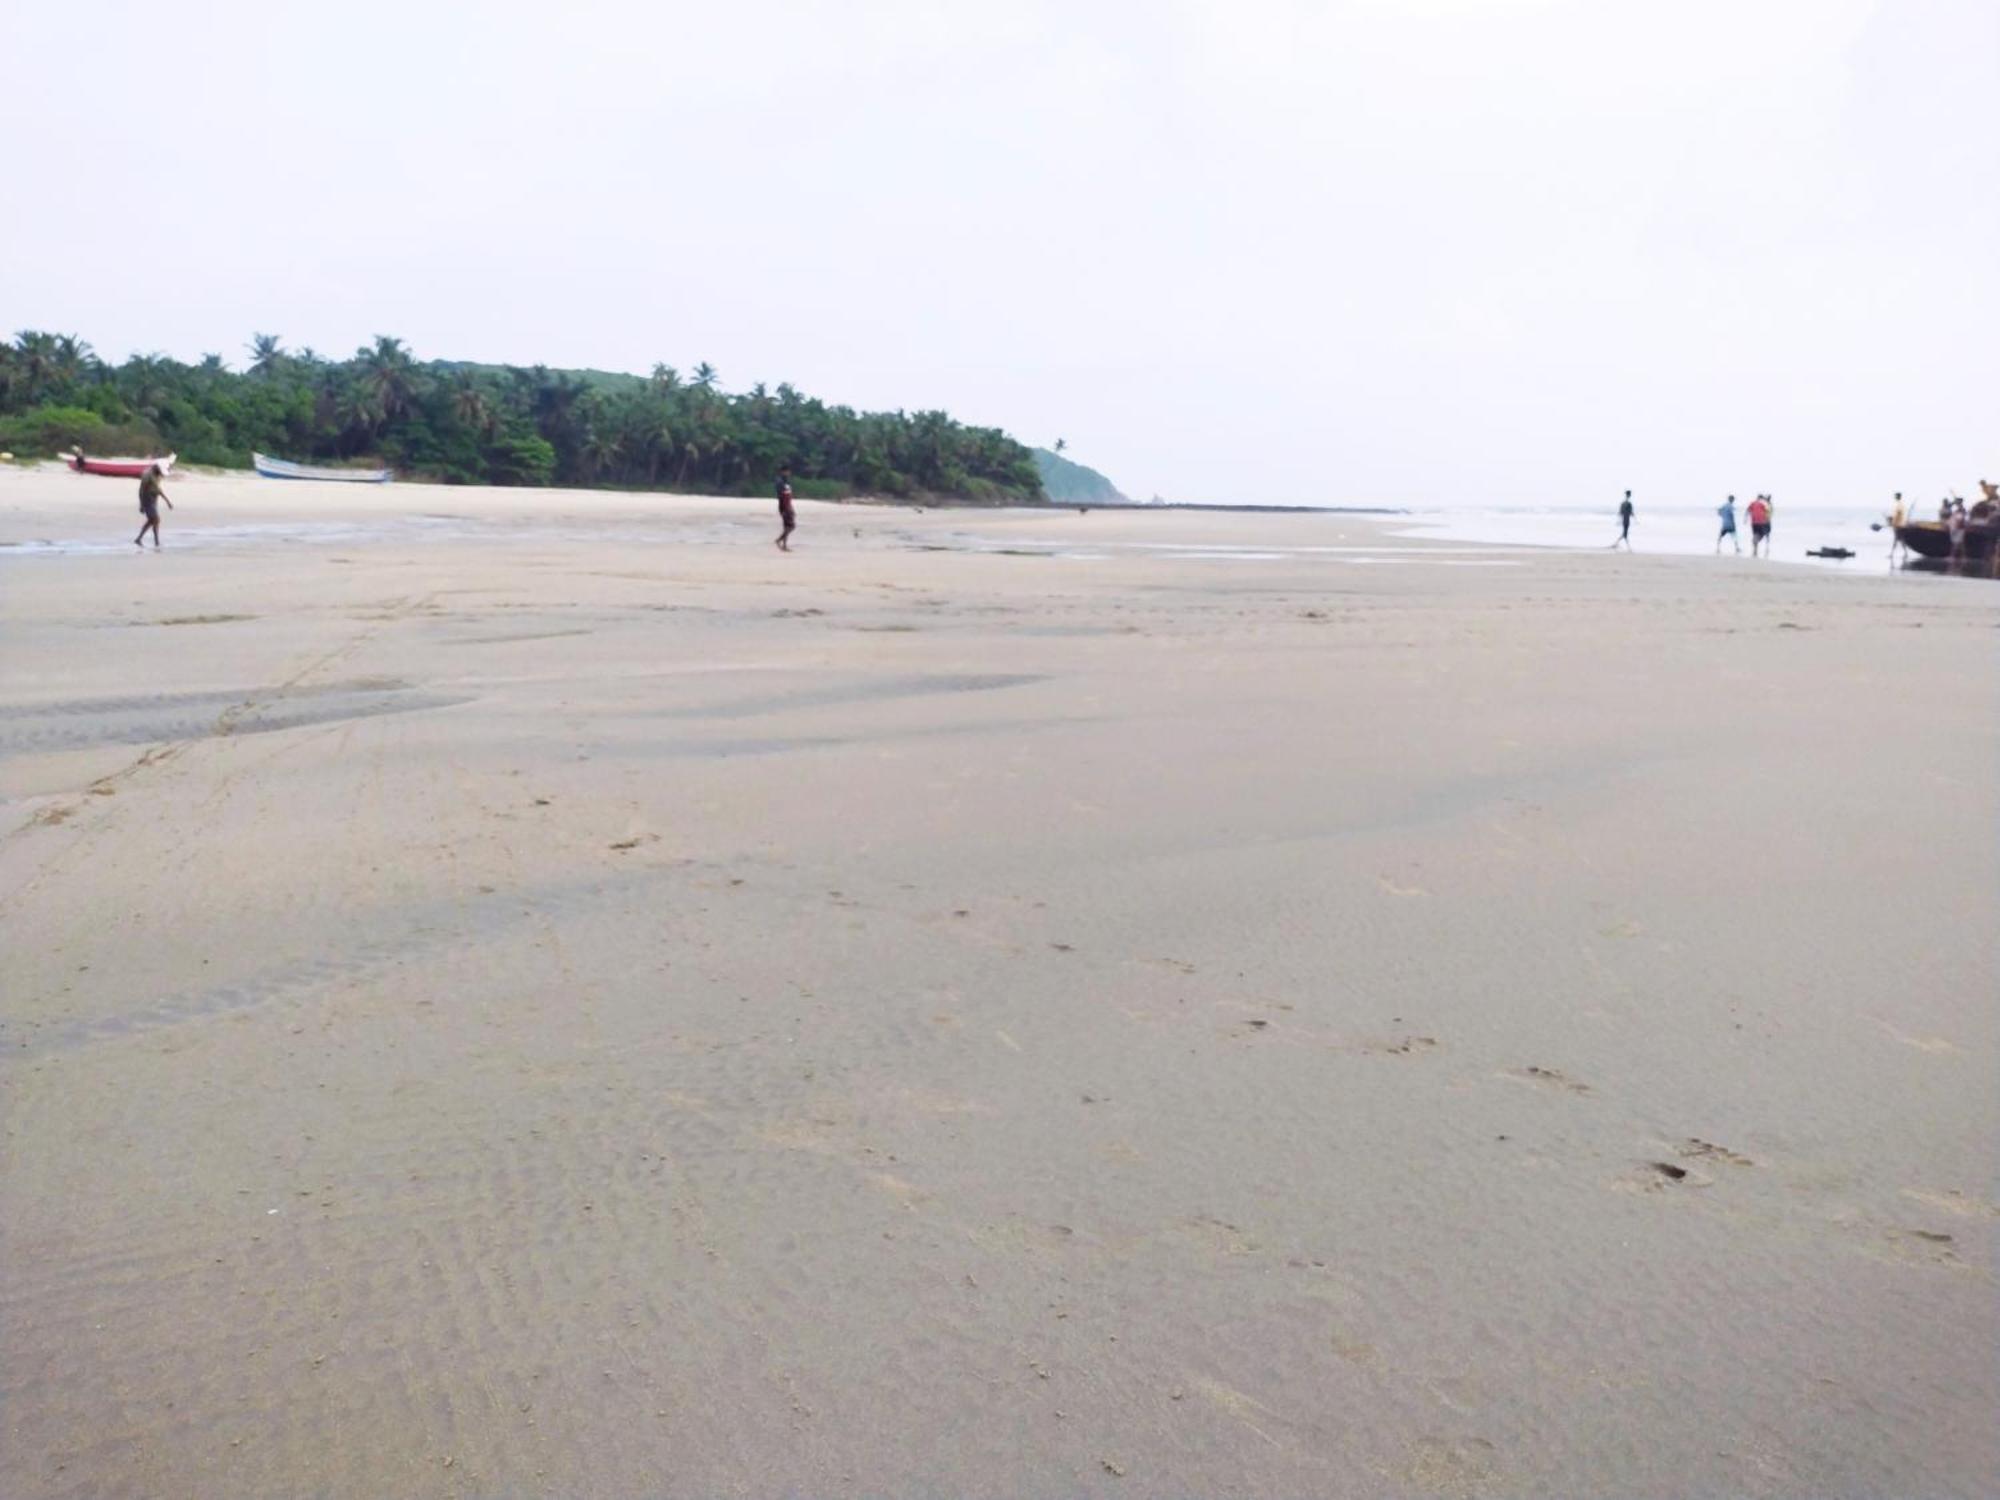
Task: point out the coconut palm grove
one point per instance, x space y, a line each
462 423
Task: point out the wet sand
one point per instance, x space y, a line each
515 993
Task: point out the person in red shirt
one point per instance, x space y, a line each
1760 525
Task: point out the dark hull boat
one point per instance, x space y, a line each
1932 539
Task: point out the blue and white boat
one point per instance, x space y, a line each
280 468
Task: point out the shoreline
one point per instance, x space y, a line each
39 516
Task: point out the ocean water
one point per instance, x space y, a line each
1676 528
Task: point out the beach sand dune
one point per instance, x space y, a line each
517 993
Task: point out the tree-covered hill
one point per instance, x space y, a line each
463 423
1068 482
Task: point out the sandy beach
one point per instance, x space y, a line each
517 992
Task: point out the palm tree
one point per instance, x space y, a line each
705 375
657 438
556 399
143 382
600 449
267 352
73 358
690 453
37 363
389 374
666 378
470 406
358 411
1060 445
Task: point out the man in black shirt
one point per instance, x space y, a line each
785 515
1625 522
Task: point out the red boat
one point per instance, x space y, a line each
122 468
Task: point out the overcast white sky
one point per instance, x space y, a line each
1379 250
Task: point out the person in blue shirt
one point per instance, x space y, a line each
1727 510
1624 522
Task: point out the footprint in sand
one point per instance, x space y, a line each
1661 1176
1547 1078
1695 1146
1407 1046
1925 1247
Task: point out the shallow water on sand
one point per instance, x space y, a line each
1678 529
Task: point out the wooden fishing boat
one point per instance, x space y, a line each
1933 539
279 468
121 468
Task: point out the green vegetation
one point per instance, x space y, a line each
494 424
1070 483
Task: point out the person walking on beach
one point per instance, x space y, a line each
1624 523
150 496
1760 525
1898 519
1727 510
786 518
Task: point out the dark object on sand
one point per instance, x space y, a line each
1834 552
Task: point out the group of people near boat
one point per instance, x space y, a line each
1954 516
1758 512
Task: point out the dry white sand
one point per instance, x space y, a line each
567 1000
